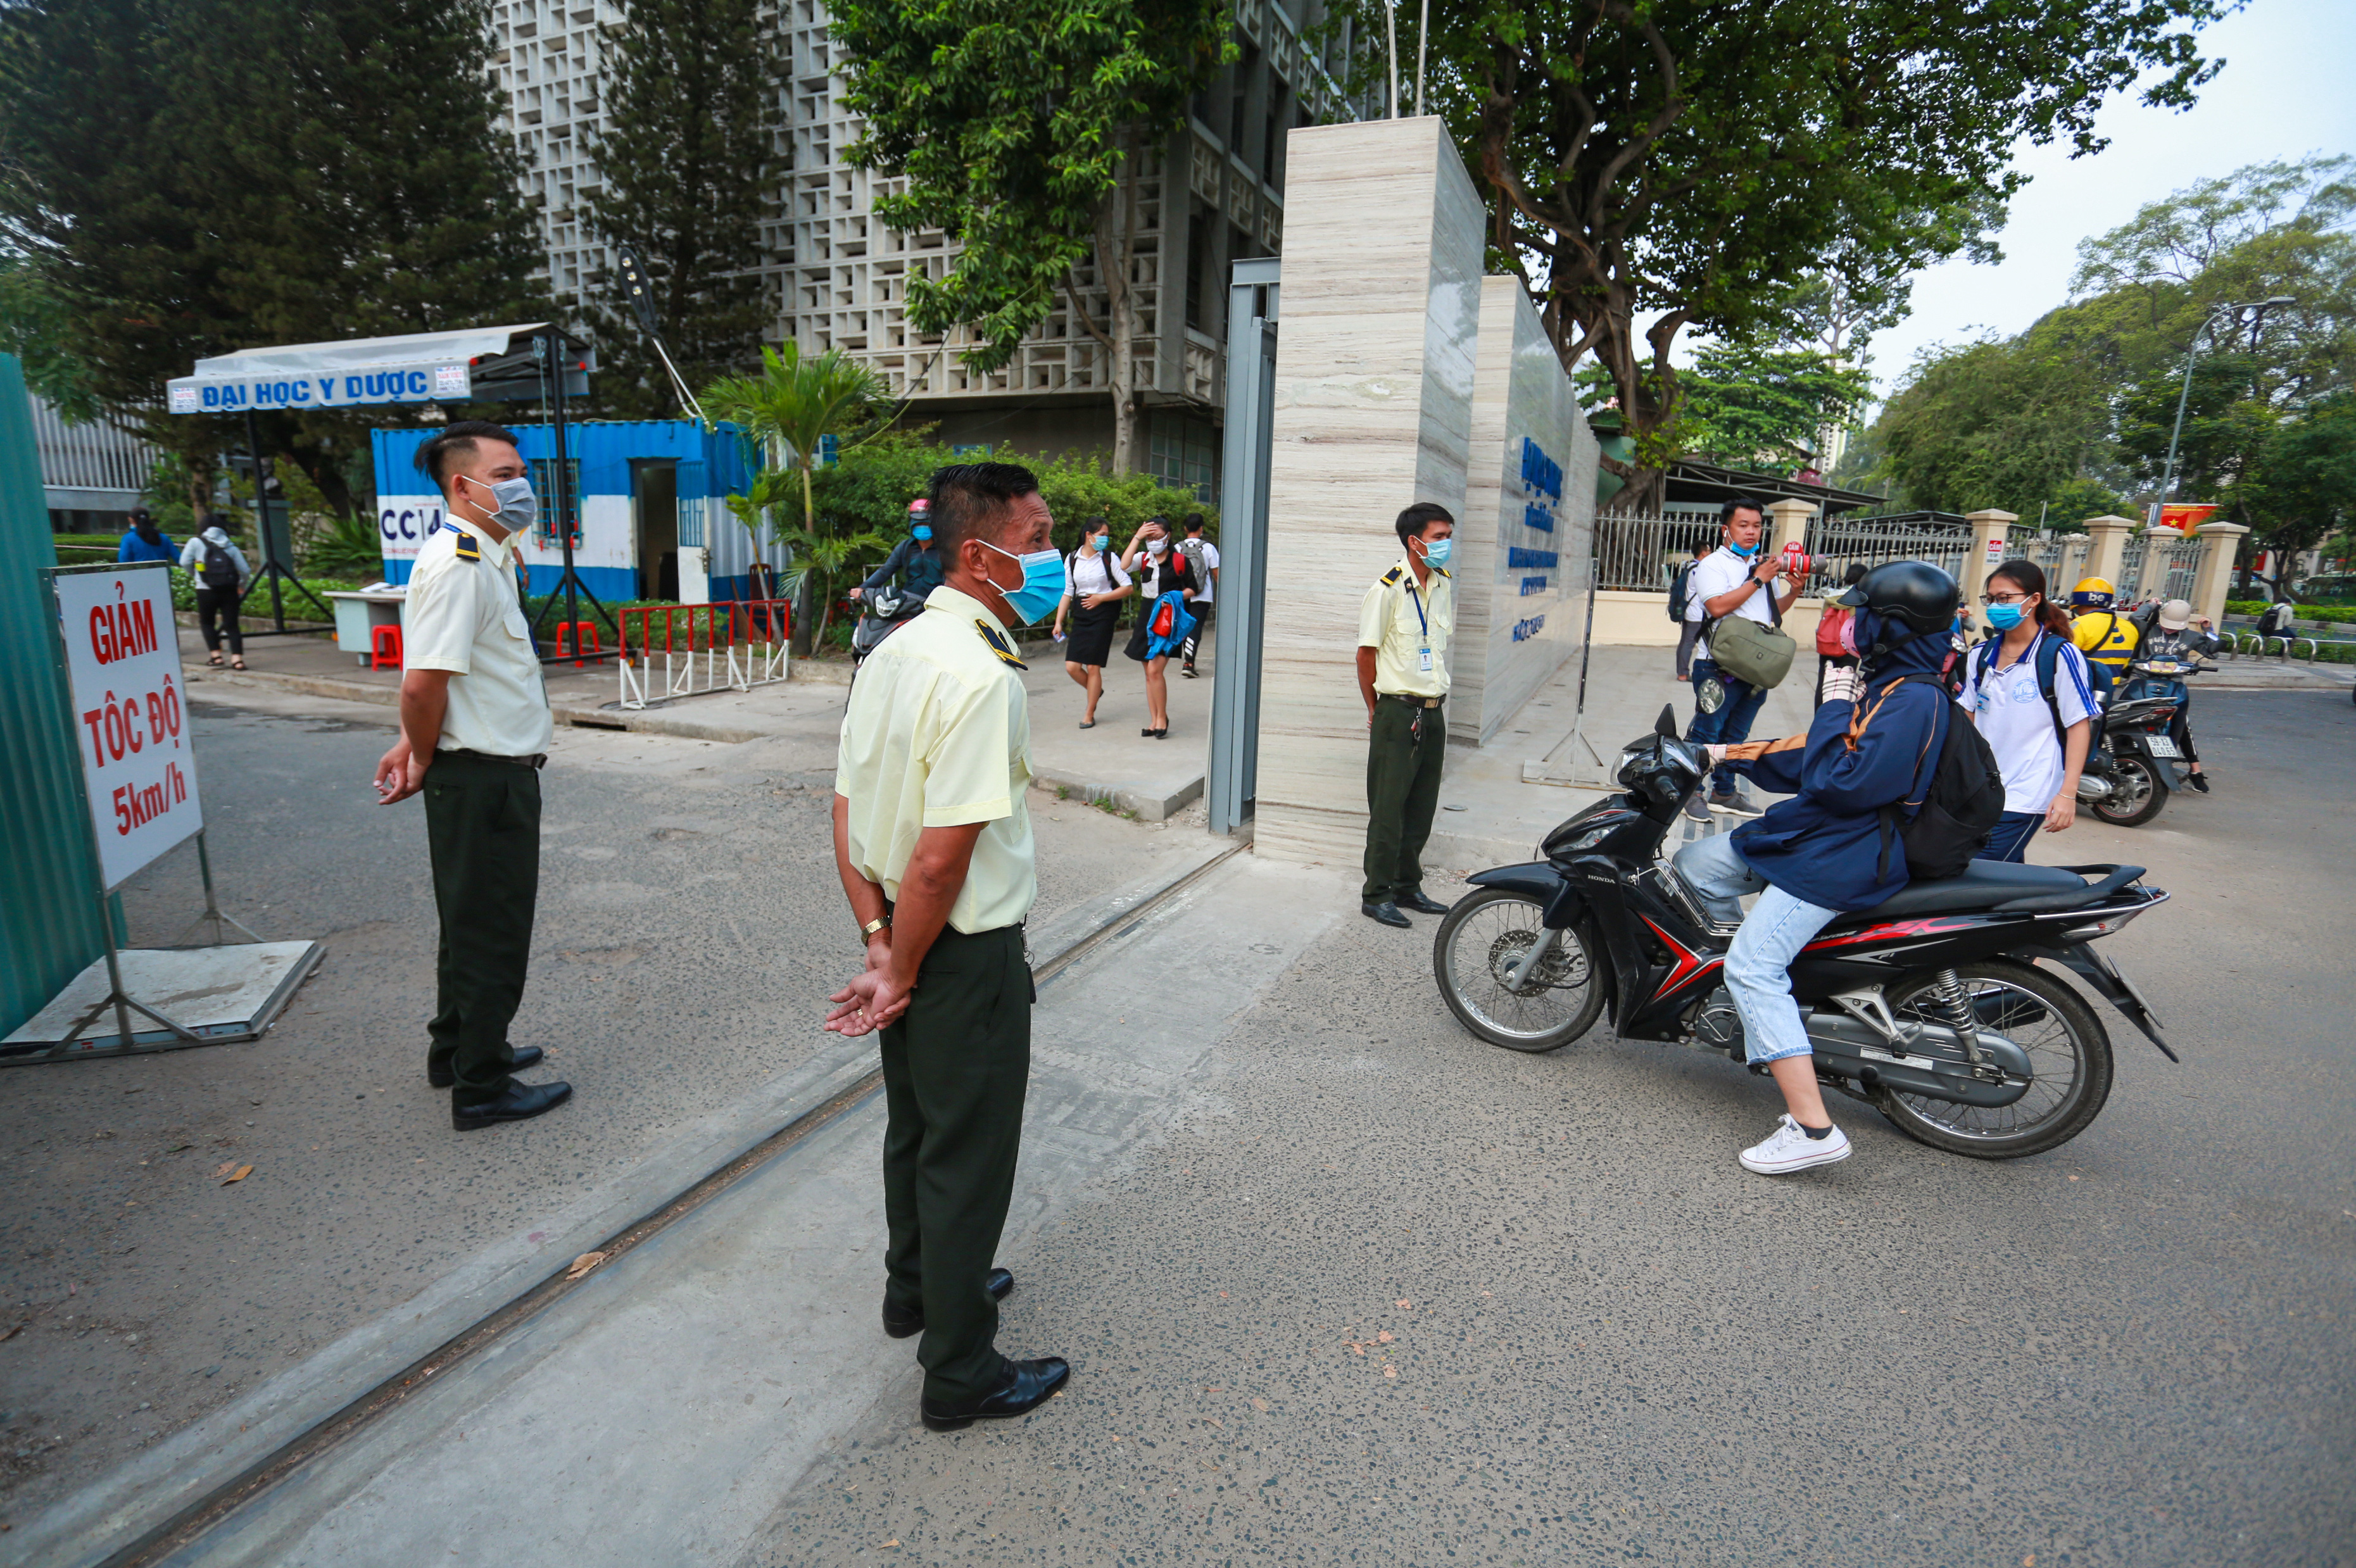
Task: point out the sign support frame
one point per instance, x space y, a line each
273 569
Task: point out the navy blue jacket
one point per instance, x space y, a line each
1823 845
922 566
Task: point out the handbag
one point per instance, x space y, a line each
1759 655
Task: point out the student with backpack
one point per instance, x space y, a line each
1688 632
1891 786
220 572
2028 689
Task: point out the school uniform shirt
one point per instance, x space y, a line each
938 734
2012 714
462 614
1398 619
1206 590
1098 574
1723 572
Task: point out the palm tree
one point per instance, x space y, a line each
782 413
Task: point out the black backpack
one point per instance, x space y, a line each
219 569
1678 585
1959 807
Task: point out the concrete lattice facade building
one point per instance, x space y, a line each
1212 195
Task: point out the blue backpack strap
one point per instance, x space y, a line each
2049 670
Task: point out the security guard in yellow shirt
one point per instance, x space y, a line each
1403 629
933 842
2106 637
474 727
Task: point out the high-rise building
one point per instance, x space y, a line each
1213 194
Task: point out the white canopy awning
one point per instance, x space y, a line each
472 365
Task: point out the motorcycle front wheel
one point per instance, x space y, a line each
2138 792
2069 1055
1480 941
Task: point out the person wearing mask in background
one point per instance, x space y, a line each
2173 635
914 560
1680 592
2027 689
1822 852
1404 624
1736 579
221 573
145 541
1158 568
1094 586
2106 637
1203 561
474 727
932 839
1836 663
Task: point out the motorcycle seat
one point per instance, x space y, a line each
1983 885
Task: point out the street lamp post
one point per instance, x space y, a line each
2192 352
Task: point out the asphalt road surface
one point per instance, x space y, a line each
1397 1296
690 924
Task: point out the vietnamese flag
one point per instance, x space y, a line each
2182 519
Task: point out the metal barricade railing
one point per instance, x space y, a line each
730 645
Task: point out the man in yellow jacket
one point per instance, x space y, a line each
2106 637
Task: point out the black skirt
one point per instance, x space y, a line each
1090 638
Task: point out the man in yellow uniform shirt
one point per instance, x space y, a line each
1403 629
933 842
2106 637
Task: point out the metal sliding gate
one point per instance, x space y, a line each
1234 769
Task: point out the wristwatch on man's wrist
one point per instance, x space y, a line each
867 932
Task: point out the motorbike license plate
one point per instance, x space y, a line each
2161 746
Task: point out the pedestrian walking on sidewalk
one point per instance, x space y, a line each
221 576
475 729
1403 629
1160 570
933 841
143 540
1094 586
1203 561
2027 689
1680 589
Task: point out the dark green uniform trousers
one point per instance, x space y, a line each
1403 757
482 827
955 1069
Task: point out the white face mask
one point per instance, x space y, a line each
1157 547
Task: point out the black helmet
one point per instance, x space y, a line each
1914 593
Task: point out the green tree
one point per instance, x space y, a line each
784 414
2014 425
1012 122
691 165
1766 408
1692 160
33 325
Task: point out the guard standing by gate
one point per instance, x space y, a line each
1403 630
932 839
474 727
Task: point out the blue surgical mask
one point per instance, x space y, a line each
1103 542
1437 552
922 531
1745 550
2004 617
1043 582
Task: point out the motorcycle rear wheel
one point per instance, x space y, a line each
2134 775
1482 936
2067 1048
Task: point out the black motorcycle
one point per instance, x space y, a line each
2132 766
882 611
1932 1007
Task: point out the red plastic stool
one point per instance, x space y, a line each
384 647
571 634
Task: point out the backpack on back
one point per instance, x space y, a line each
1678 585
219 568
1958 808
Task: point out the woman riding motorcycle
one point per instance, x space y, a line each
914 560
1822 852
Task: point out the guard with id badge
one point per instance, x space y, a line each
1403 630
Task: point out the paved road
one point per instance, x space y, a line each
690 916
1404 1298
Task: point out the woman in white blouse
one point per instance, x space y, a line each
1096 580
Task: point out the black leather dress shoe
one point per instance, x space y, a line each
526 1056
900 1325
1388 912
1028 1385
1414 899
521 1103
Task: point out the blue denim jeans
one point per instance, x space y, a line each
1758 964
1730 722
2009 838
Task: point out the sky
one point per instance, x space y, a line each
2288 89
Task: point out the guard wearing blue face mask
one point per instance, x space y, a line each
932 837
1404 624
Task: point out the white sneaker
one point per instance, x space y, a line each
1788 1149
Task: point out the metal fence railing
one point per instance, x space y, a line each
2155 566
1835 544
1639 555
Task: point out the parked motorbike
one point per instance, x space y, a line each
2132 766
1935 1007
882 611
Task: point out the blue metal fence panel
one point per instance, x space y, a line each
49 914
